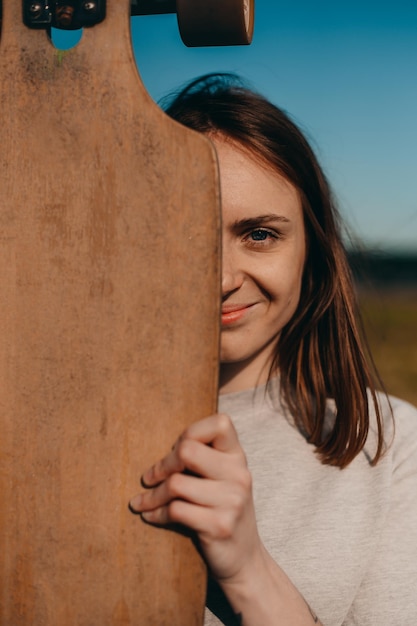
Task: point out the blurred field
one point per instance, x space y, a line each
390 320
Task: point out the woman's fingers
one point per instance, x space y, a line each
200 519
202 492
211 508
189 454
216 430
176 486
217 524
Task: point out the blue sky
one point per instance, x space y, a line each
347 74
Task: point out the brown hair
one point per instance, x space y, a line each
319 354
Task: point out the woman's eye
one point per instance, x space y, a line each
260 234
261 239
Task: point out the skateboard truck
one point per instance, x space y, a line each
64 14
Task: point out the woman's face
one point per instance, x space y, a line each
264 250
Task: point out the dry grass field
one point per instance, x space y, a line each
390 320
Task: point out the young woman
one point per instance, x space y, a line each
302 494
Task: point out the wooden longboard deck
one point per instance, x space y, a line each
109 222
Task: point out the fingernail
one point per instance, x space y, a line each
135 503
147 477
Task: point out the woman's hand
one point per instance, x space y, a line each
204 483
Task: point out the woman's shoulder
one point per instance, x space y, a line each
396 414
404 423
399 420
402 408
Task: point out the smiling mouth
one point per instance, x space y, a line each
231 314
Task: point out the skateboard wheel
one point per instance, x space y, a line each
216 22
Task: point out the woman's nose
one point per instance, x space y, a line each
232 273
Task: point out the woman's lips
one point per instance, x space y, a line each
233 313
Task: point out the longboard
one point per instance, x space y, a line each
109 298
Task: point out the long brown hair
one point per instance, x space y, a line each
319 353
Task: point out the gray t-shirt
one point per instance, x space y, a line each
346 538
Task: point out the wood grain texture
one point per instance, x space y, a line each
109 252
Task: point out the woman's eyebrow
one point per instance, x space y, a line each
259 220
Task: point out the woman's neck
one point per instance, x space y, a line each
242 375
